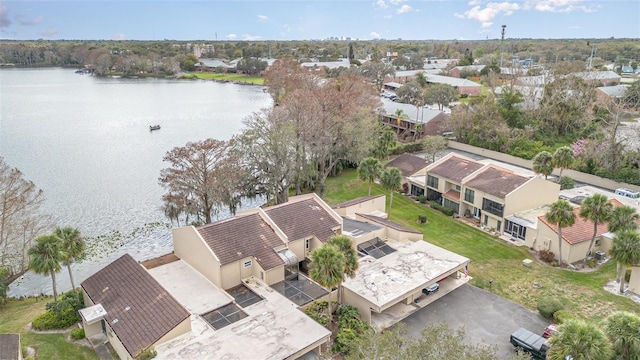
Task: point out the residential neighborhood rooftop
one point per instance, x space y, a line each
496 182
455 168
408 164
357 228
10 347
356 201
197 294
244 235
387 223
139 310
274 329
303 218
381 281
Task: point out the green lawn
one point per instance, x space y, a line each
494 259
14 317
255 80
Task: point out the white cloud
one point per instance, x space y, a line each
404 9
388 16
4 17
374 35
490 12
232 36
396 2
559 6
262 18
28 22
249 37
381 4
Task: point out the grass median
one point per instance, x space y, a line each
581 293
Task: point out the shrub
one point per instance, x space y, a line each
405 188
549 306
422 199
546 256
592 263
561 316
60 314
566 183
422 218
351 328
434 205
77 334
318 312
447 211
147 354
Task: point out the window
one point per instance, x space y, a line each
247 263
492 207
457 187
468 195
452 205
486 220
498 226
432 181
307 244
516 231
597 242
476 213
261 275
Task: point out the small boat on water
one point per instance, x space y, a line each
154 127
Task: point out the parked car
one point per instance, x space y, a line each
431 289
529 342
551 330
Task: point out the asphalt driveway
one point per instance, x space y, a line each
485 317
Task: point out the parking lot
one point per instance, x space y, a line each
485 317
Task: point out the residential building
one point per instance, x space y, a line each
414 122
610 95
128 308
370 205
576 238
10 347
457 70
408 164
487 192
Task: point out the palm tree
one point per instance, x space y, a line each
563 158
369 170
623 218
561 214
345 246
72 245
400 115
625 250
597 209
623 330
579 340
327 268
543 164
45 257
391 180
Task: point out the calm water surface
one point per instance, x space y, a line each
86 142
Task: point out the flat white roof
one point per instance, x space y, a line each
93 313
275 329
381 281
588 190
197 294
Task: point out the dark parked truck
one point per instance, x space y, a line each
532 343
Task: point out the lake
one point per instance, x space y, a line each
86 142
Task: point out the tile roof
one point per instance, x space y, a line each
455 168
408 164
496 182
582 230
389 223
9 346
239 237
301 219
356 201
453 195
139 310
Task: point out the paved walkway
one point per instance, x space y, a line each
103 352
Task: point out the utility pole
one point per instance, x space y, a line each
501 44
593 51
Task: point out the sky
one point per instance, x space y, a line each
317 19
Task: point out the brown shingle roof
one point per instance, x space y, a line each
581 230
356 201
408 164
9 346
388 223
455 168
301 219
496 182
246 235
139 310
